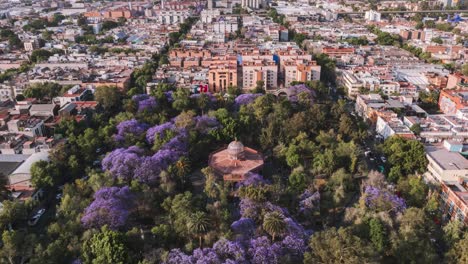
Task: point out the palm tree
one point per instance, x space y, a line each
198 225
182 168
274 224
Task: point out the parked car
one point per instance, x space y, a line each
33 221
383 159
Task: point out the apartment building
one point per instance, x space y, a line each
387 127
449 167
221 77
301 71
452 100
259 70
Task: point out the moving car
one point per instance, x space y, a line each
33 221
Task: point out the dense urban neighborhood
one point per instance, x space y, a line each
233 131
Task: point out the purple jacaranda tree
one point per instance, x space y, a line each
244 227
252 179
111 207
309 201
122 162
245 99
147 104
296 90
293 245
229 250
205 124
383 200
261 250
144 102
130 128
169 96
159 131
294 228
176 256
205 255
250 208
253 209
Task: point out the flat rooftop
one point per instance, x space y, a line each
445 159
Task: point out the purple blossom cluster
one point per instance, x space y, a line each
294 245
252 179
245 99
159 131
298 89
258 250
169 96
130 128
145 102
261 250
123 162
111 206
205 124
309 201
244 226
253 210
128 164
294 228
383 200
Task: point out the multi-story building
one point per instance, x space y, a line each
301 71
373 16
74 94
32 44
221 77
28 126
454 202
457 80
259 70
365 103
351 83
452 100
253 4
225 26
387 127
448 167
209 15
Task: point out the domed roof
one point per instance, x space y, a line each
235 148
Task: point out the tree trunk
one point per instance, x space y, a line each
200 241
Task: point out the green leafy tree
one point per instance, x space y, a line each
107 246
40 55
181 99
437 40
274 224
413 242
17 246
44 174
108 97
458 253
414 190
378 234
180 209
12 212
41 91
404 156
465 69
338 246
